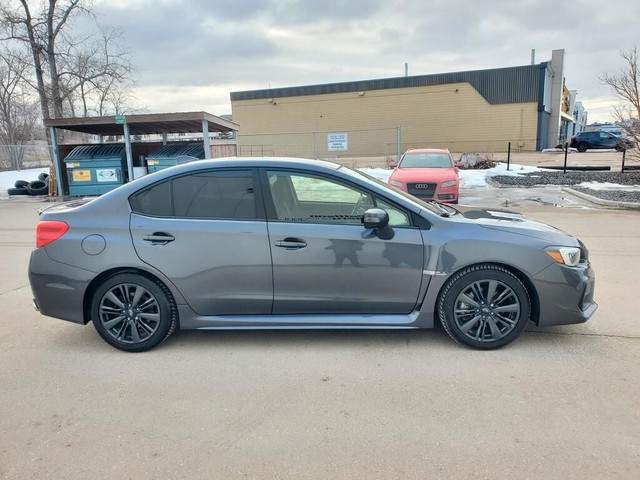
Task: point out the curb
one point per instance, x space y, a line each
601 201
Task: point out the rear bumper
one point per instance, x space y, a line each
565 294
58 289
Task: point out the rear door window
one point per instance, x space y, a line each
222 195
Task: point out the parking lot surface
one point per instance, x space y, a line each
560 402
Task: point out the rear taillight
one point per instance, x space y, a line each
48 231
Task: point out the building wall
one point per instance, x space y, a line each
453 116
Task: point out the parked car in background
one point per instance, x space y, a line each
248 243
427 174
584 141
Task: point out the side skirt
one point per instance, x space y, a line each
189 321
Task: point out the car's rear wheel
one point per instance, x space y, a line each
582 147
484 306
133 312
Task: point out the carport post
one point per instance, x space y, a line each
127 149
164 138
56 159
205 138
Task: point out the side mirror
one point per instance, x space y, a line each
393 164
375 218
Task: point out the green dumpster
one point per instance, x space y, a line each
174 154
96 169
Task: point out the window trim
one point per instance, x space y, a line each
257 196
270 209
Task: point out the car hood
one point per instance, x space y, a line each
424 174
516 223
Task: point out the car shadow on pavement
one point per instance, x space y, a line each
76 338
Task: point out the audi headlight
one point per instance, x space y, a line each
396 183
566 255
449 184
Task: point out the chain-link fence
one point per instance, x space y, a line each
346 146
19 157
372 147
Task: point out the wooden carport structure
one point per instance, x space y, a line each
126 126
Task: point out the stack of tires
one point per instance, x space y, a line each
36 187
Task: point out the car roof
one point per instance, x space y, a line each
427 150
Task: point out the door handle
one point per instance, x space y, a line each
291 243
159 238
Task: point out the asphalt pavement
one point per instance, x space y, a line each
560 402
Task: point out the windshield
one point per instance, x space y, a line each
425 160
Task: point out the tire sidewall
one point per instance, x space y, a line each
167 320
459 282
37 187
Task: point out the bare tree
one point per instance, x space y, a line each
67 71
18 111
625 85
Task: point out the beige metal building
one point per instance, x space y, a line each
479 111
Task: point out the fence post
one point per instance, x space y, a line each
624 153
566 152
56 159
315 147
508 155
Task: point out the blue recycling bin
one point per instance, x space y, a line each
96 169
174 154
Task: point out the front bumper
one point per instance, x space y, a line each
58 289
565 294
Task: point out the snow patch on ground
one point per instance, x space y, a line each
8 179
609 186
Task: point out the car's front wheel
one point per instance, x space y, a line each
133 312
484 306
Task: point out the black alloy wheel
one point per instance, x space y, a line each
133 312
484 307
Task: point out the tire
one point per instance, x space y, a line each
21 184
469 316
17 191
43 177
133 312
582 147
38 187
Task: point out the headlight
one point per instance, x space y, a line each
566 255
396 183
449 184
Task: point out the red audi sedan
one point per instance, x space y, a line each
428 174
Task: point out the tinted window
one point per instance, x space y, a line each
154 201
224 194
214 195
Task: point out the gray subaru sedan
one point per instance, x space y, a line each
255 243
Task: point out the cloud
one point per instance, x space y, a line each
200 46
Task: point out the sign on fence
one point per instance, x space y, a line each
337 141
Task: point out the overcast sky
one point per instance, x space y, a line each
191 53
